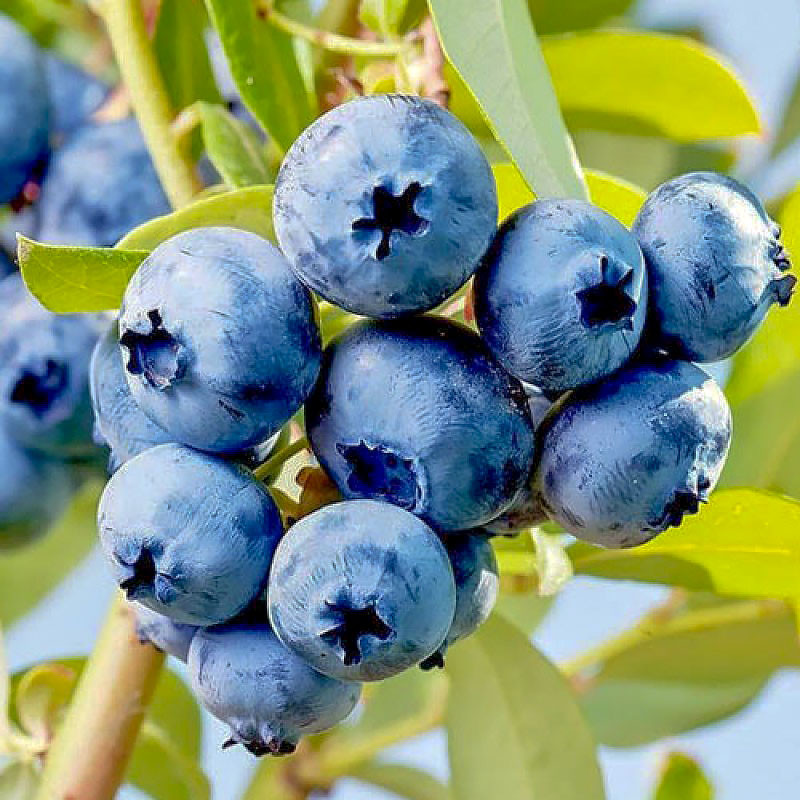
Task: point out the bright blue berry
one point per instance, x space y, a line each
561 296
24 111
44 367
172 638
265 693
188 535
716 265
34 491
100 185
477 585
361 590
119 423
623 460
74 95
219 339
418 413
385 205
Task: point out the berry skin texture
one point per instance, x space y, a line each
220 376
385 205
44 367
269 696
24 112
623 460
561 296
477 586
716 265
74 95
188 535
361 590
172 638
119 423
418 413
99 186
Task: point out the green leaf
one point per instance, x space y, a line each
617 196
745 542
789 128
264 67
40 697
29 574
249 209
391 17
648 83
18 781
512 191
497 53
402 781
559 16
233 147
66 279
524 611
513 724
269 782
682 779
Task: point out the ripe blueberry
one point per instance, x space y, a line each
715 262
173 638
561 295
361 590
385 205
419 414
477 585
267 694
188 535
74 95
622 460
219 339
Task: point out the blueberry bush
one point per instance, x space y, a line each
353 330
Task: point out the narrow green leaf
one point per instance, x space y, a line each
745 542
789 128
66 279
618 197
30 573
264 67
18 781
648 83
41 696
391 17
513 724
682 779
560 16
402 781
495 49
512 191
233 147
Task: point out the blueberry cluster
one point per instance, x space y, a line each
577 401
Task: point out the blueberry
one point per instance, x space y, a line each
74 95
623 460
219 339
24 111
267 695
119 423
7 266
361 590
173 638
188 535
34 491
716 265
385 205
100 185
561 295
418 413
477 585
44 367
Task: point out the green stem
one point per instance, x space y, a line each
88 757
271 468
332 42
140 72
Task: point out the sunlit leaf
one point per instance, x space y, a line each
558 16
402 781
682 779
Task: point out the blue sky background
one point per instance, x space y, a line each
753 756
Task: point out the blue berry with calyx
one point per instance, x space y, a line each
219 339
99 186
418 413
477 585
716 265
24 111
172 638
188 535
385 205
561 296
362 590
267 695
624 459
